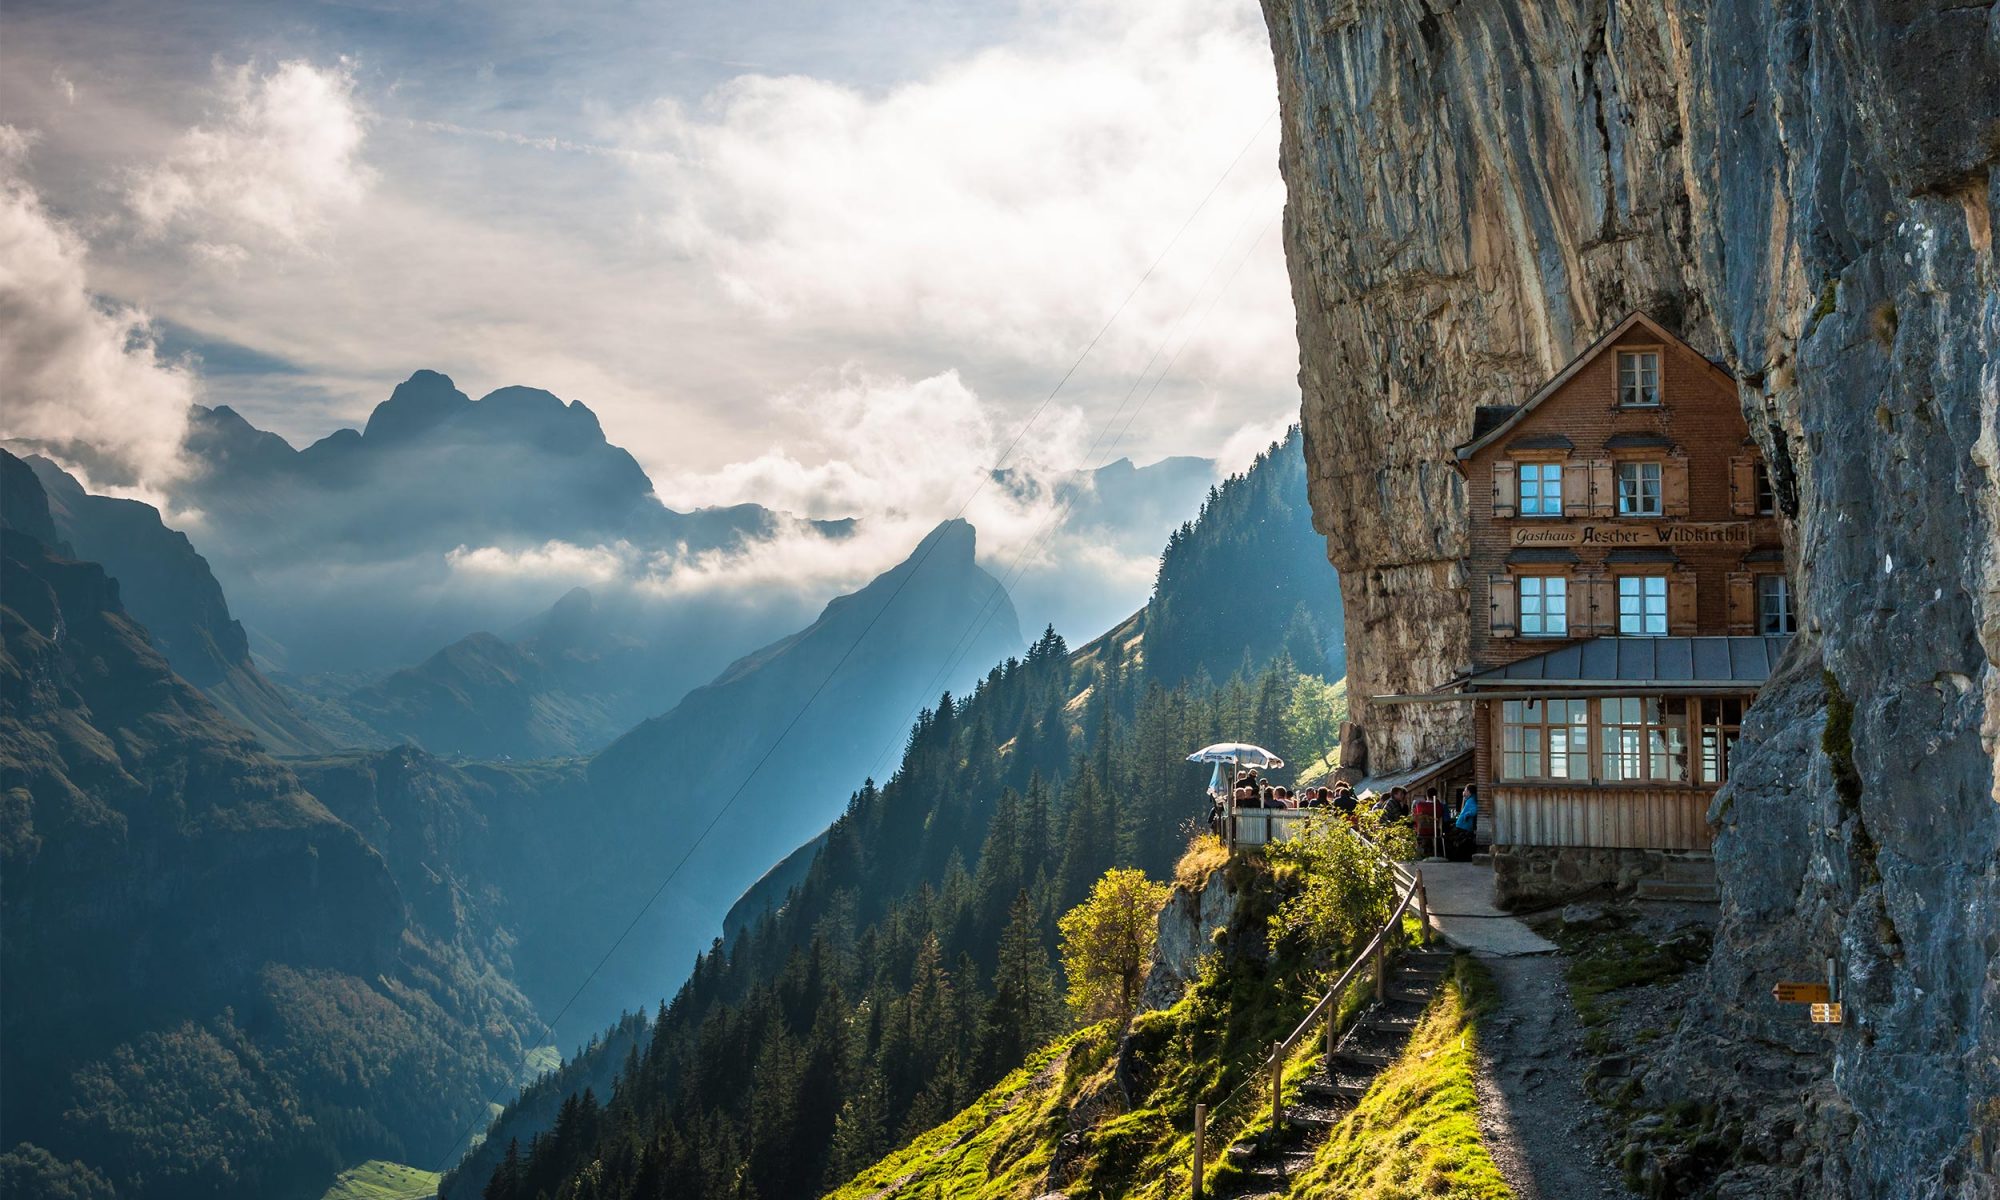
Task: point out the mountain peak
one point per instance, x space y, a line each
423 401
952 541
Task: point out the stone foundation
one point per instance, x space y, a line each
1528 876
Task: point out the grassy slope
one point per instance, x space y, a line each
1000 1146
383 1180
1416 1132
1006 1145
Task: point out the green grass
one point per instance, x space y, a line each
1416 1132
379 1179
1000 1146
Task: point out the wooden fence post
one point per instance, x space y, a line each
1277 1085
1200 1135
1381 971
1423 912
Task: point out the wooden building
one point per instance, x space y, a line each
1629 597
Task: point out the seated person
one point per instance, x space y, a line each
1318 797
1461 839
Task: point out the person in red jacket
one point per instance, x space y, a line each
1425 823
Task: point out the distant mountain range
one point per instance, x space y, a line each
170 591
416 580
311 953
213 985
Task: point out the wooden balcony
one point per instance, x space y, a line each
1609 817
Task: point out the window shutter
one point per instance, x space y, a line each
1502 605
1576 489
1600 604
1506 492
1580 623
1743 485
1681 620
1674 487
1603 488
1742 603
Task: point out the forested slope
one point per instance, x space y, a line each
912 967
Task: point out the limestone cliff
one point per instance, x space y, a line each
1805 188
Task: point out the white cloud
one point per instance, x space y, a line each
558 561
280 159
1006 203
73 369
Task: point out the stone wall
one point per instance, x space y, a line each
1528 876
1805 189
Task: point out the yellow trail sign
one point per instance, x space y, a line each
1826 1014
1800 993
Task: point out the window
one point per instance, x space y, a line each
1774 606
1639 489
1638 378
1541 489
1642 605
1544 739
1721 726
1544 606
1643 738
1767 499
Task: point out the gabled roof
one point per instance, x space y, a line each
1484 437
1681 663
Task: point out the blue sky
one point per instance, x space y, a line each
738 231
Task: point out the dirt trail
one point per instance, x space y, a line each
1544 1131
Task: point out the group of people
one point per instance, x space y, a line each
1440 832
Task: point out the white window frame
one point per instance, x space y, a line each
1642 606
1784 620
1544 603
1545 739
1642 739
1638 484
1539 489
1638 379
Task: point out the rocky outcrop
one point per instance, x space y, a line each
1186 933
1807 191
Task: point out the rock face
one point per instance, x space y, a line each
1807 190
1186 932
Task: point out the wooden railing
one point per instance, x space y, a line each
1327 1009
1262 826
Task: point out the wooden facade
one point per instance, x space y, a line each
1623 499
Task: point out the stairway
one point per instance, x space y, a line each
1373 1042
1689 879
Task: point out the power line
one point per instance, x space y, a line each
930 545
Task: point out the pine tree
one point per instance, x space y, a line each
1024 1009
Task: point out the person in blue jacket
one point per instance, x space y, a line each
1465 826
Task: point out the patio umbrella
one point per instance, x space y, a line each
1243 754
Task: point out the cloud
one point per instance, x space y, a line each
77 370
279 160
1005 203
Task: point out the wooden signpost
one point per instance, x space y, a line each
1801 993
1825 1006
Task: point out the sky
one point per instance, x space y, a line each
757 238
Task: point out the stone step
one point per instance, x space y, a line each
1365 1059
1335 1089
1660 889
1688 870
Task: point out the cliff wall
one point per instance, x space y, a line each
1807 190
